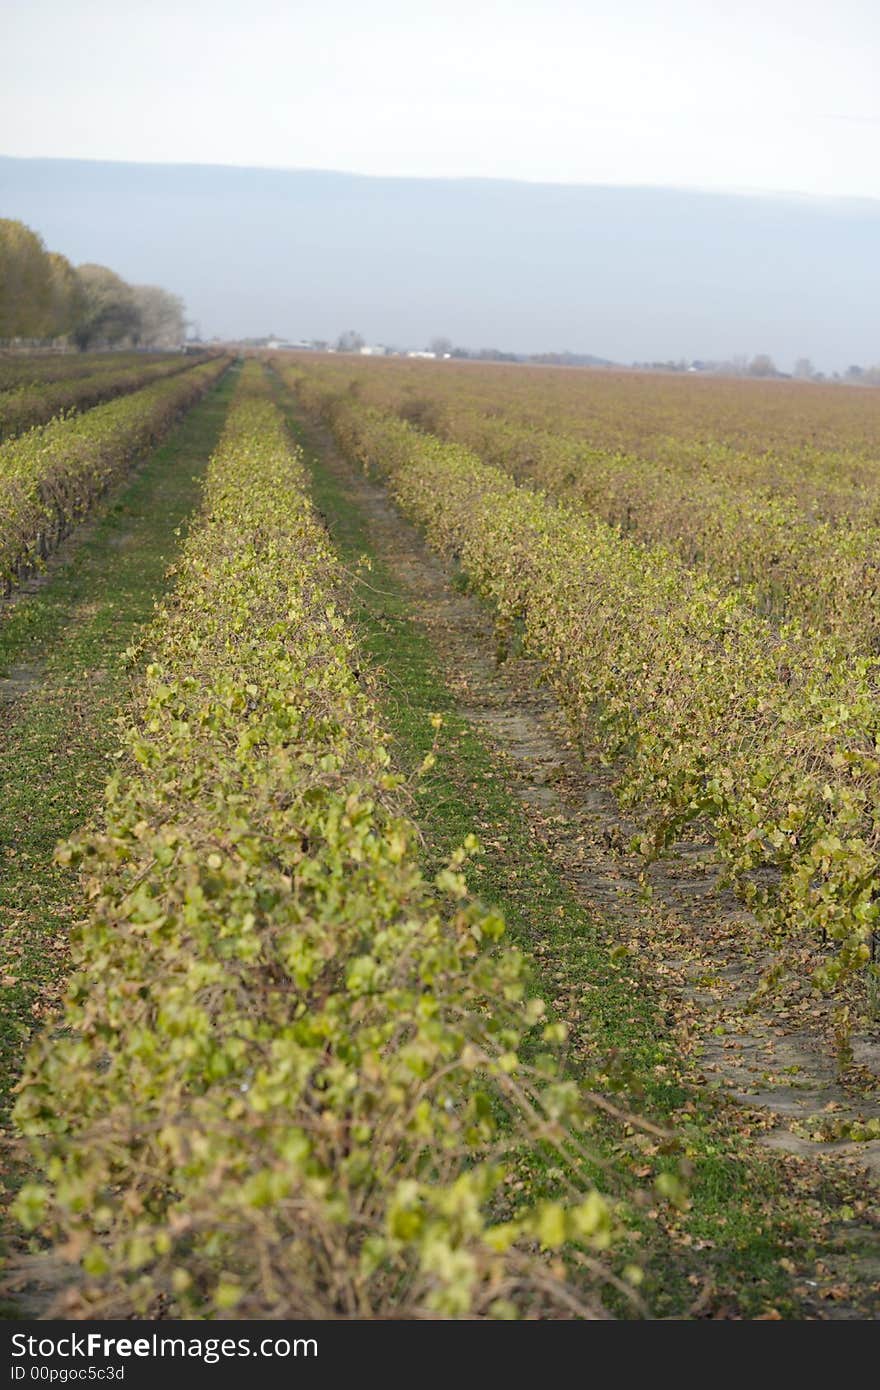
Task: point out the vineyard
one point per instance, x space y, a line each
34 403
50 476
441 845
751 711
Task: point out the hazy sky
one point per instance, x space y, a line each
757 94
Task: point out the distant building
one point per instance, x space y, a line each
432 355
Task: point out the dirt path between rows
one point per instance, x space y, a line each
693 940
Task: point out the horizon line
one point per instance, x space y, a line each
637 186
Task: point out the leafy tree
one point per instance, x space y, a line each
804 369
161 316
66 299
109 311
25 289
43 297
762 365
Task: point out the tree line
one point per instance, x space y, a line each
45 299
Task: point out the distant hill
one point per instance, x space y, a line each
622 273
